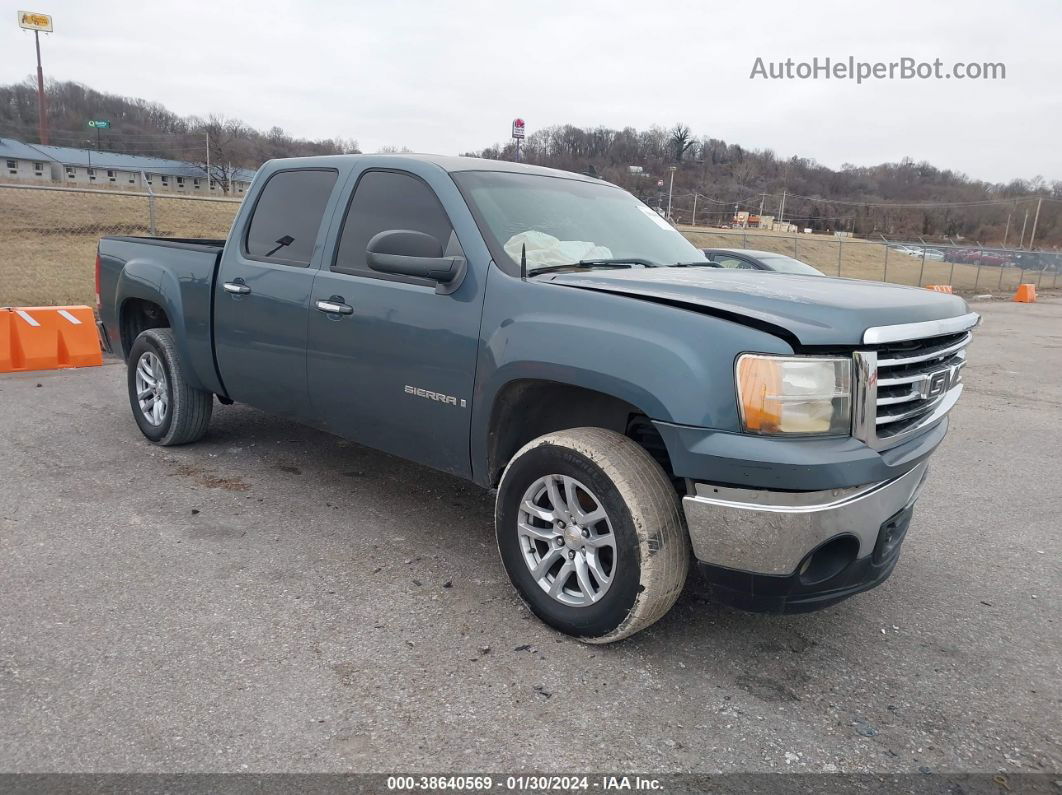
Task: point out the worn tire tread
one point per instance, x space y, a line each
663 539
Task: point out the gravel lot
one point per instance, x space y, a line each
276 599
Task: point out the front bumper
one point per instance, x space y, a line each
799 550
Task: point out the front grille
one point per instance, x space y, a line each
907 385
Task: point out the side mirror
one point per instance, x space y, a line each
404 252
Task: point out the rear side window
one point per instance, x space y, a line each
287 216
385 200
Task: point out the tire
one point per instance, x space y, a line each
608 596
185 412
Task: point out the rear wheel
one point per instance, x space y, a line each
591 533
166 408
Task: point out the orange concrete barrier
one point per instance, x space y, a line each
940 288
48 338
1026 294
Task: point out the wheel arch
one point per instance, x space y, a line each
136 315
149 295
526 408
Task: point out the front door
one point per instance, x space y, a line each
395 367
262 295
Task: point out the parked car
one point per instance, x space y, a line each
910 251
750 259
928 252
548 335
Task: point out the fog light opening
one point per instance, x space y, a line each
829 560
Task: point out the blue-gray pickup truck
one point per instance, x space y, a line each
639 410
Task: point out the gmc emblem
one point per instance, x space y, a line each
936 384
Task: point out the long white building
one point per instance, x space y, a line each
89 168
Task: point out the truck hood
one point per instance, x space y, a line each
815 310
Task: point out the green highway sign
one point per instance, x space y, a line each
99 124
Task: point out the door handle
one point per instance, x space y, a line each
236 288
334 307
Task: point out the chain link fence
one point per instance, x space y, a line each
968 269
48 235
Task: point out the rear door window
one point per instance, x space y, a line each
287 216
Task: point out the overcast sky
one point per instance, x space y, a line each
449 76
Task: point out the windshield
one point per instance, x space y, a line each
559 222
784 264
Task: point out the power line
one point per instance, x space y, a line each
926 204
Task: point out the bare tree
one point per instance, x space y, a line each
680 140
229 149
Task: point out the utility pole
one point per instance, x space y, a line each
42 112
763 198
1006 231
781 208
670 188
209 185
693 218
1032 235
1021 241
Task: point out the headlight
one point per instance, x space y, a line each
795 394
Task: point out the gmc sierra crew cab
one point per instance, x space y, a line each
639 410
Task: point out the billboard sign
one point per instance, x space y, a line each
99 124
518 128
32 20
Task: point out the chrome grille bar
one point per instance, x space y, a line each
896 361
910 379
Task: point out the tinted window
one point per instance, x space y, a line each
387 200
731 262
288 215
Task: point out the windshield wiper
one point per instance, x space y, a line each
613 262
705 264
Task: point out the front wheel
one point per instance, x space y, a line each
591 533
167 409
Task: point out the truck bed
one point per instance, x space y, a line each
183 270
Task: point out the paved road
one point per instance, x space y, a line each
276 599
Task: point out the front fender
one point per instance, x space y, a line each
674 365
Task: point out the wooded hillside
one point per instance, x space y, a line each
147 128
864 200
899 200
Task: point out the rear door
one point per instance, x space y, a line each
262 295
395 370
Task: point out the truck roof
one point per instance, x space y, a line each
448 163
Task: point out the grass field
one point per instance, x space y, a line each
48 239
862 259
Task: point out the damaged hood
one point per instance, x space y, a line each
816 310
